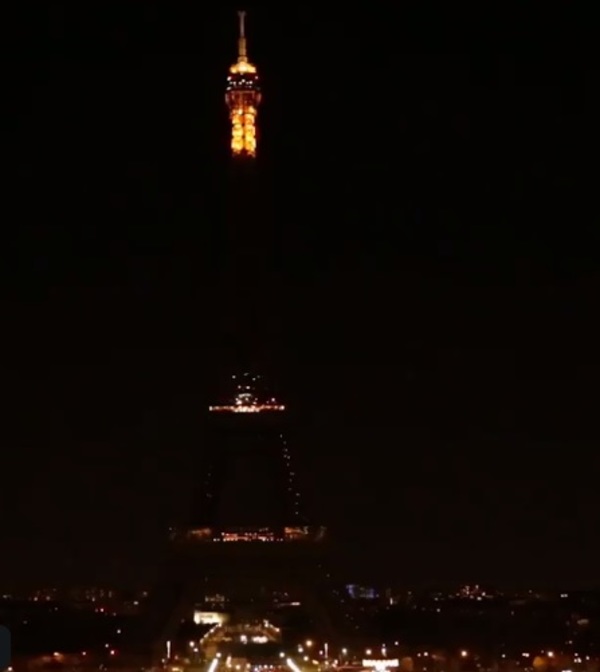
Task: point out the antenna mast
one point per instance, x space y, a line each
242 52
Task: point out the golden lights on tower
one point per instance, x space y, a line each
243 98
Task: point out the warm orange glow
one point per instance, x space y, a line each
243 97
242 68
242 115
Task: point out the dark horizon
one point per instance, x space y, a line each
438 267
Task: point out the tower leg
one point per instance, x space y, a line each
167 606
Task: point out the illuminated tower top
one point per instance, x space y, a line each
243 98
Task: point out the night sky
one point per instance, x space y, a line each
438 273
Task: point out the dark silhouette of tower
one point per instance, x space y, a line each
247 535
249 482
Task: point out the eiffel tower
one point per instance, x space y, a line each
247 536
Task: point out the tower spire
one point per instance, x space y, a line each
242 51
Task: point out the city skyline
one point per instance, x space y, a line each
436 282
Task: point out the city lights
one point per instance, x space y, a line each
380 665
